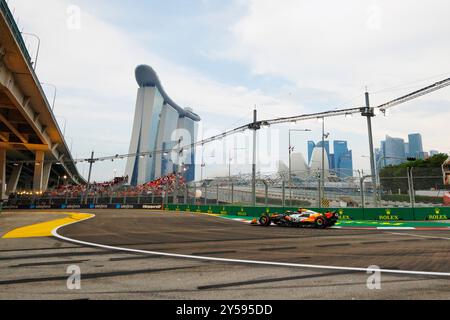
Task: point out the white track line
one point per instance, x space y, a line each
268 263
417 235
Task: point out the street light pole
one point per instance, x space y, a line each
255 127
91 161
203 165
322 193
412 193
38 47
229 170
368 112
290 170
88 187
321 181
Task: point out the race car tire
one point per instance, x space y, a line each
264 221
320 223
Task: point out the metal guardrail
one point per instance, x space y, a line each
15 29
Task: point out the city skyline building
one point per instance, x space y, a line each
415 149
159 125
394 151
408 153
343 159
340 161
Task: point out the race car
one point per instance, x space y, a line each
301 218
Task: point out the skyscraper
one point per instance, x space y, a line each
408 154
343 159
159 126
345 169
393 150
415 145
189 129
332 161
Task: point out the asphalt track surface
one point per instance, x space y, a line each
112 273
203 235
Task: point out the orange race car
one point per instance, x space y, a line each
301 218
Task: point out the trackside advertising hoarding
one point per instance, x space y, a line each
379 214
86 206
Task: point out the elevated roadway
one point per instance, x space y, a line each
33 151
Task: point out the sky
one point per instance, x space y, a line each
224 58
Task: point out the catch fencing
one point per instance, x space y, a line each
407 188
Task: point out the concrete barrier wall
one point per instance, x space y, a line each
380 214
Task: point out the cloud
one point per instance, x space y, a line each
343 45
337 48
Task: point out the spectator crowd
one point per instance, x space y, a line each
159 186
119 187
96 187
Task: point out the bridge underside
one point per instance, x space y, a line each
33 151
25 162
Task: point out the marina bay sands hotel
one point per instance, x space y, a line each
159 126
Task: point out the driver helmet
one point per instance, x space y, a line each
302 210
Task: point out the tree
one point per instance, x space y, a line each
427 174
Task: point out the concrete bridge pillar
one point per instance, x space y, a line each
14 179
46 175
38 171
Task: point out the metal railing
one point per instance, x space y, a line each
14 28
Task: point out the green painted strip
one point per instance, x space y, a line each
370 224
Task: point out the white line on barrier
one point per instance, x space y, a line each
268 263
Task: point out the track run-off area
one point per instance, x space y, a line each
139 254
